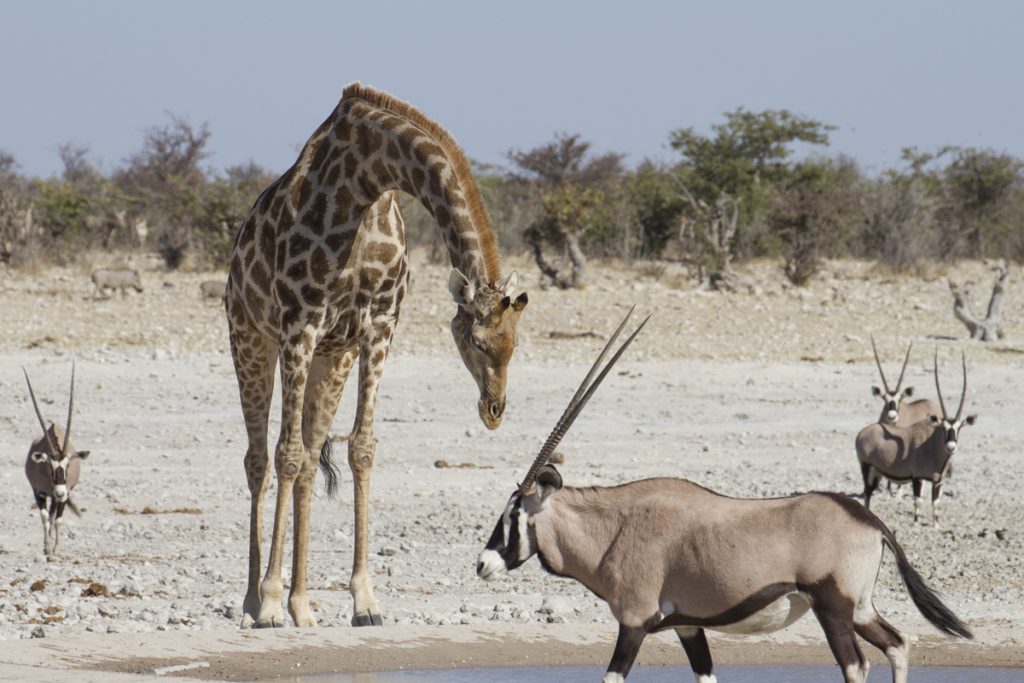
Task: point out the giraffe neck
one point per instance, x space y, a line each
397 148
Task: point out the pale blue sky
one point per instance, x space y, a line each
502 75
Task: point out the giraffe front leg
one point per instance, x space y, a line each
362 449
289 458
255 359
323 392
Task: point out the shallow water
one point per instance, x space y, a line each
676 674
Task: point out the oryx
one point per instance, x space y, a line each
53 467
896 410
669 554
915 453
115 279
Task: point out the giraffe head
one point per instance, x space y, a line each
484 328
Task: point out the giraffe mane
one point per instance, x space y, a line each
460 165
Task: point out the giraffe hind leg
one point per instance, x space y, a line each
254 358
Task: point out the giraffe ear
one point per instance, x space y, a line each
510 284
463 291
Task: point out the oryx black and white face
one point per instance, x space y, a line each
951 429
513 540
511 543
892 401
59 466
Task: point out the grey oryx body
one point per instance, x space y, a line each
53 468
670 554
920 452
896 410
114 279
212 289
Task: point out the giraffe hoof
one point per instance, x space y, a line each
367 619
271 622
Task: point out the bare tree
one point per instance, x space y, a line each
982 329
572 188
711 229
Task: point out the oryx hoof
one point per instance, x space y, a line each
367 619
247 621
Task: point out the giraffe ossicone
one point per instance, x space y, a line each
319 270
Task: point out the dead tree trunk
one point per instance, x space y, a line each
713 228
982 329
537 236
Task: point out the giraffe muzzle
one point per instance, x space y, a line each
491 412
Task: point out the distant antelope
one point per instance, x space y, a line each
669 554
897 411
114 279
920 451
53 467
212 289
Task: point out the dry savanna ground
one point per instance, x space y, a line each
757 393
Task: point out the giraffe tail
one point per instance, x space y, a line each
329 469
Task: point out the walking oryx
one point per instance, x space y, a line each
53 467
114 279
915 453
895 409
669 554
318 273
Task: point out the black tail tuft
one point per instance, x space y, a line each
926 600
330 470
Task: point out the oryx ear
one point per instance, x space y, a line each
971 419
81 455
520 302
548 481
38 457
908 392
875 391
933 420
463 291
509 285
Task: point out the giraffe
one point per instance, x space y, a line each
318 273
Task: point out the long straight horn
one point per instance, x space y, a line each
579 400
42 422
938 389
963 394
906 359
879 364
71 405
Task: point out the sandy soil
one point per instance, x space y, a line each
753 394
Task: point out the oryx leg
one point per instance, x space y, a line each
889 640
255 358
626 649
323 392
362 449
56 512
695 643
44 517
290 458
916 484
871 478
839 631
936 495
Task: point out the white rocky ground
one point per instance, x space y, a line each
755 394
